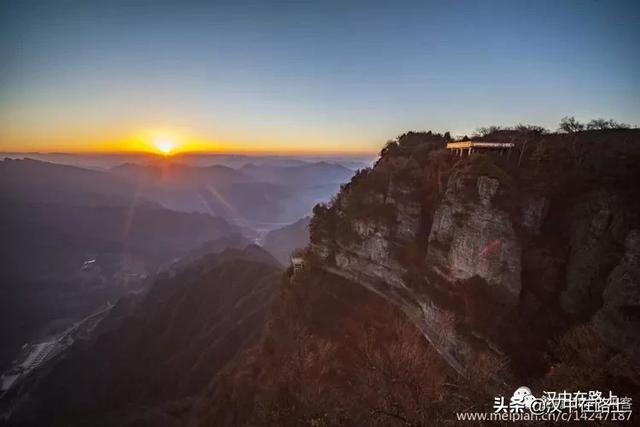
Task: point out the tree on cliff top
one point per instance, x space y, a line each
602 124
570 125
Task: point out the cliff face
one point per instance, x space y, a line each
599 227
472 236
537 242
618 319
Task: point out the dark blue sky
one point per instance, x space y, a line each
287 75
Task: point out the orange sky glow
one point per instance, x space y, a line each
170 142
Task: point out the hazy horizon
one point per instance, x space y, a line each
178 154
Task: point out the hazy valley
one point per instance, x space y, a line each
76 238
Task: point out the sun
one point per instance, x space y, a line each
164 145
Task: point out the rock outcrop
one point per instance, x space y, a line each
600 222
618 321
471 236
497 245
534 211
371 255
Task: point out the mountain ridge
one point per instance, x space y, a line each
202 315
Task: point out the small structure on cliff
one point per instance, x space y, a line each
469 146
297 263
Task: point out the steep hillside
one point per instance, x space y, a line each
152 354
498 242
516 269
336 354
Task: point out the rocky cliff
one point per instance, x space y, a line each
517 269
536 241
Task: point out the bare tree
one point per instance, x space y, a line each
603 124
527 133
484 131
570 125
539 130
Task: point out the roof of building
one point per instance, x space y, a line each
479 144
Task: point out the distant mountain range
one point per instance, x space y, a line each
254 192
104 161
74 238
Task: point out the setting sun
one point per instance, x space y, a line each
165 145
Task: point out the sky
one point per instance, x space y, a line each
305 76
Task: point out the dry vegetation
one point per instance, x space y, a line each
336 354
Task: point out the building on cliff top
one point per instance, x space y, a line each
468 146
